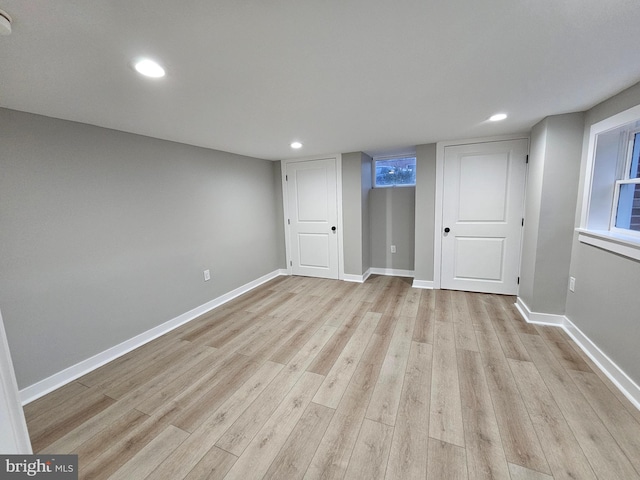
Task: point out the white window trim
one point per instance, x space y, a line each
625 179
621 241
626 245
622 232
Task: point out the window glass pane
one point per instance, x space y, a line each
628 214
396 171
635 159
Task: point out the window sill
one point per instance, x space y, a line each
627 246
396 186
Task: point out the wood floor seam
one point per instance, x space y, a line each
310 378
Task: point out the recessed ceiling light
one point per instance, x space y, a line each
497 117
149 68
296 145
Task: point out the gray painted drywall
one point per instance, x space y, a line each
392 213
559 196
552 187
106 234
366 176
533 201
605 304
352 213
281 259
356 185
425 211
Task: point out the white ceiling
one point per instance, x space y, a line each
250 76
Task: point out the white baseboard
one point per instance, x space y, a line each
367 274
427 284
619 378
539 318
348 277
69 374
392 272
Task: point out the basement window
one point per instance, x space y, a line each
611 206
394 172
627 190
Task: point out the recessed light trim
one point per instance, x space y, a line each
497 117
296 145
149 68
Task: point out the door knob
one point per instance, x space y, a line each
447 230
333 229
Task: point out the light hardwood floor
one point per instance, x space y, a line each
312 378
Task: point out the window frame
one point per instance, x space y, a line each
625 179
386 158
598 229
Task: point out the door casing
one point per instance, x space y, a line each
14 436
285 202
439 195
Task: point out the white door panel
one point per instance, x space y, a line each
483 188
483 203
313 212
479 258
311 192
314 250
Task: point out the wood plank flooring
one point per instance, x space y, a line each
308 378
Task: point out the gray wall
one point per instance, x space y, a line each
356 185
533 202
606 303
352 213
366 175
425 211
552 188
105 235
392 223
280 231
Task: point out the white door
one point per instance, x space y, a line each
313 217
482 215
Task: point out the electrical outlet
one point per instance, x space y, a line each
207 275
393 249
572 284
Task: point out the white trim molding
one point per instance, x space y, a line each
391 272
620 379
57 380
285 207
539 318
426 284
14 436
618 120
620 244
439 192
348 277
